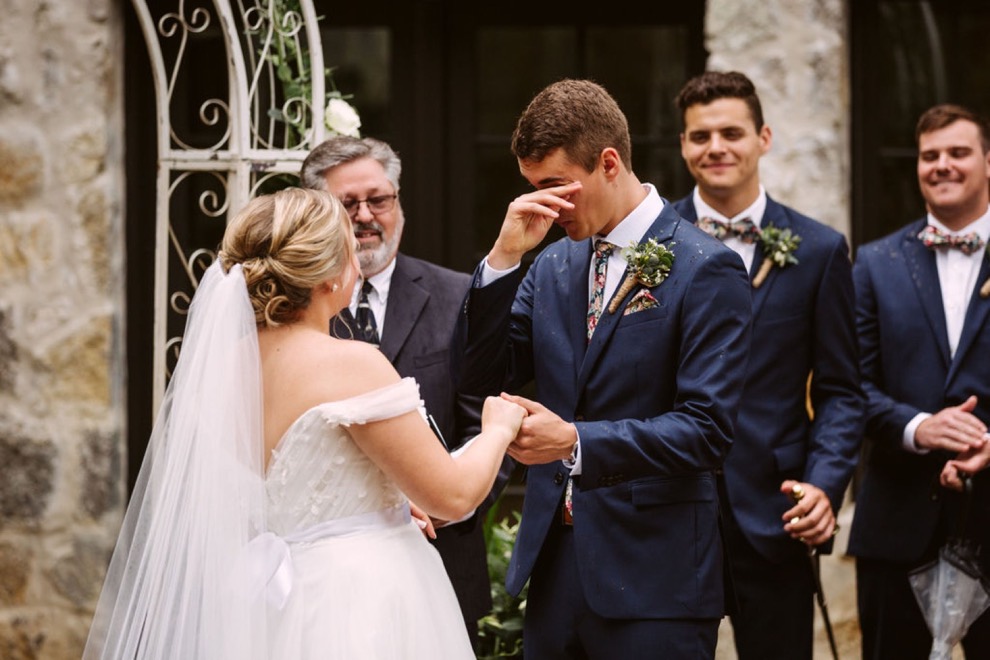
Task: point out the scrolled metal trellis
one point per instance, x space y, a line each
235 143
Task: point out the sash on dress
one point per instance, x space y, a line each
266 561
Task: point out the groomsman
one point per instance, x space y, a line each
803 351
924 336
408 307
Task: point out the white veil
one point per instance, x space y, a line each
170 591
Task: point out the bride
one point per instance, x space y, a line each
271 516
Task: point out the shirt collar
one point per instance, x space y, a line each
981 226
382 281
754 211
634 226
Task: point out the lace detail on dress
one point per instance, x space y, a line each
318 473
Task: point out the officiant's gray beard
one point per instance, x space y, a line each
373 260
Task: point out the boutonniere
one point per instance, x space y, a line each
647 264
985 289
778 248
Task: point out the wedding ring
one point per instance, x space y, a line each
835 530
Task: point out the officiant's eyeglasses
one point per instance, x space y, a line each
377 205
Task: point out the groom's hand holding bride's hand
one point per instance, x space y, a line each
543 436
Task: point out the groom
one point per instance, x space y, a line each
636 391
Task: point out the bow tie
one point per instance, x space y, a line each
933 237
745 229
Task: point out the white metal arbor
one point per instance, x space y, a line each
237 141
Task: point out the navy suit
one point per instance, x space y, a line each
424 302
902 513
803 323
653 397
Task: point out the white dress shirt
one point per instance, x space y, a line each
378 297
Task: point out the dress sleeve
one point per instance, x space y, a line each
384 403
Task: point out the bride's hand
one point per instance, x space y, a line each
424 521
498 412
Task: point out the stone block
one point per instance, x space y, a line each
27 474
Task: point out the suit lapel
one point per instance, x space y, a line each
976 317
406 301
579 255
662 230
773 215
923 272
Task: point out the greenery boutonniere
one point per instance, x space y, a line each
648 264
778 248
985 289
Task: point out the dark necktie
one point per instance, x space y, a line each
744 229
933 238
367 329
603 249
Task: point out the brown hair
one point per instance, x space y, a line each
939 116
713 85
287 243
578 116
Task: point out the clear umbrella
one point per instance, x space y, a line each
951 590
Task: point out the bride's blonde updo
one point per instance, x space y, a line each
287 243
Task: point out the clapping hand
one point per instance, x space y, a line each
954 429
966 463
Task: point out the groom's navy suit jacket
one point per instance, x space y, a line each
653 397
803 323
424 302
901 510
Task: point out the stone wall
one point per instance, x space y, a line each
796 53
61 300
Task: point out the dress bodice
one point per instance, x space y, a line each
318 473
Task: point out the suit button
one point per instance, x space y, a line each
558 478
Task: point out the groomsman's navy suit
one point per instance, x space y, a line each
653 397
902 513
424 302
803 322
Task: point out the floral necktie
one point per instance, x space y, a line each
933 238
744 229
367 329
603 249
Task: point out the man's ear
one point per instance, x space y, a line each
610 162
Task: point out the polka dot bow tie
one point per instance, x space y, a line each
933 238
744 229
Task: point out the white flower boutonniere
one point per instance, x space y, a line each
778 248
648 264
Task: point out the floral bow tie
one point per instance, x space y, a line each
745 229
933 237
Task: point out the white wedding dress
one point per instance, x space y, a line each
362 582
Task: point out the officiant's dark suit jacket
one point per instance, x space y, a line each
901 511
803 323
653 397
424 301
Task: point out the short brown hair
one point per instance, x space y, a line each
713 85
580 117
939 116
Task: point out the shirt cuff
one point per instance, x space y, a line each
489 274
575 465
907 440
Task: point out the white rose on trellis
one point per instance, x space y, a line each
342 118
